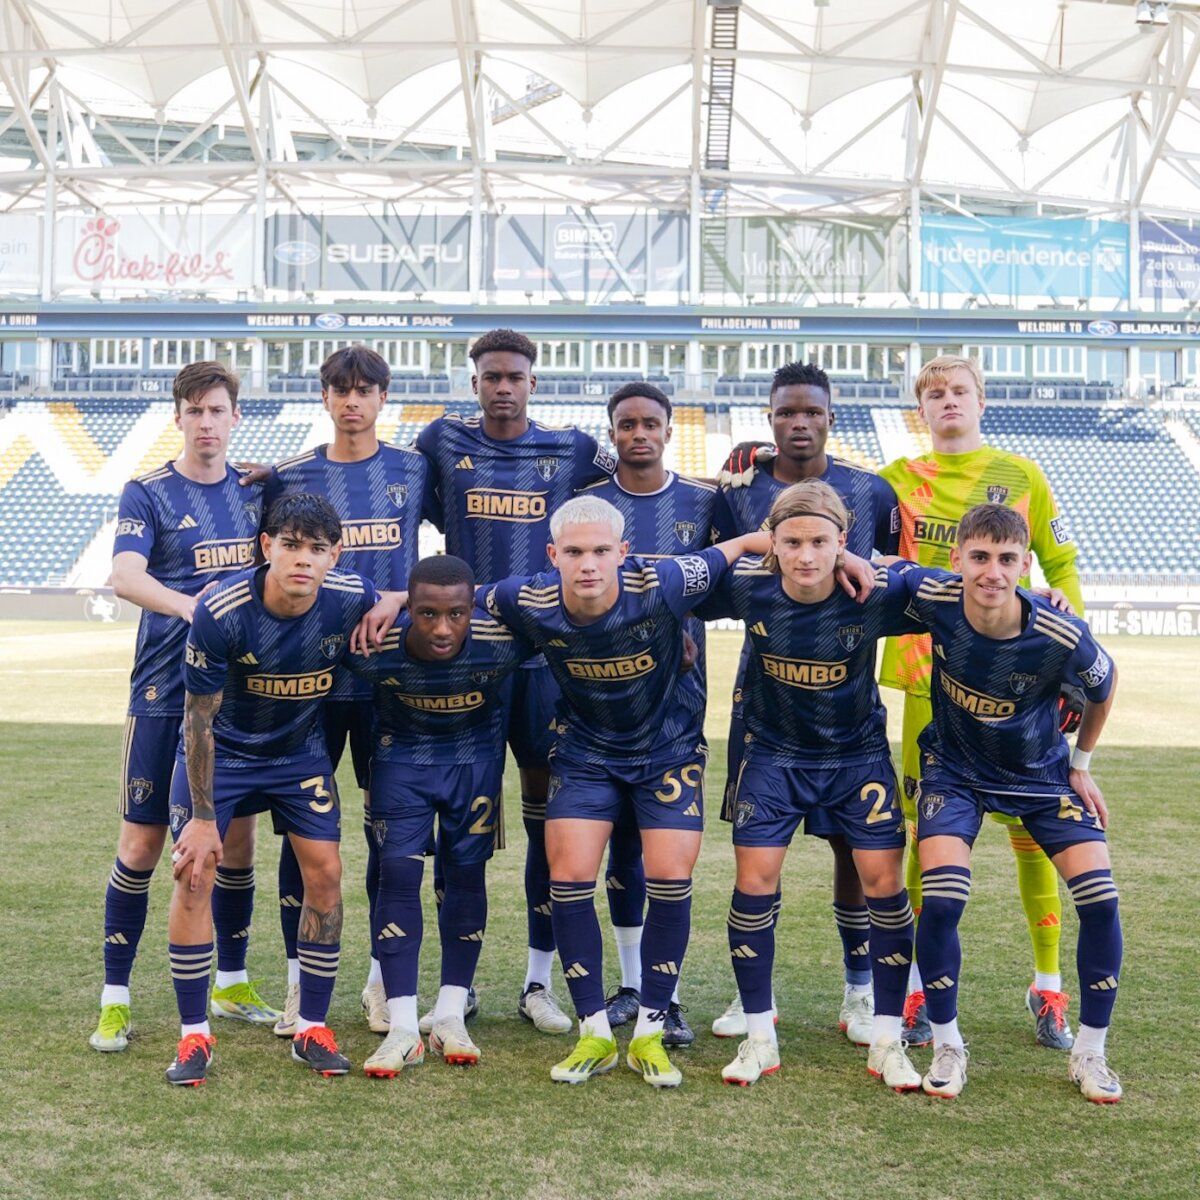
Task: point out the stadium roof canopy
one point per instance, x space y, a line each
766 105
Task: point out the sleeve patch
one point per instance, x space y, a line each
605 460
895 519
128 527
196 658
1097 673
695 574
1061 530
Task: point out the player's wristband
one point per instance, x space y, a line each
1081 760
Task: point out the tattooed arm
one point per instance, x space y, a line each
200 837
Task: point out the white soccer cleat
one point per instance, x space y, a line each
857 1016
375 1006
450 1039
732 1022
889 1062
539 1005
756 1057
947 1074
287 1024
401 1048
425 1025
1090 1072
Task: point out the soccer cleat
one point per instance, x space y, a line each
425 1025
287 1024
648 1057
889 1061
756 1057
317 1048
917 1031
1049 1010
539 1005
732 1022
192 1057
676 1030
591 1056
450 1039
1090 1072
113 1029
856 1016
622 1006
401 1048
947 1074
374 1005
242 1002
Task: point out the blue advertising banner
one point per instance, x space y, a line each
1169 261
1009 260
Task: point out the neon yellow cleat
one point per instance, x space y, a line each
241 1002
648 1057
113 1029
591 1056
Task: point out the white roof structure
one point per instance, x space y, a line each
764 105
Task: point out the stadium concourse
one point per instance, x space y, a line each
64 460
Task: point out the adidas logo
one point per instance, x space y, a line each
439 894
1049 921
665 968
557 642
244 933
576 971
464 464
895 960
940 985
759 628
861 951
614 884
692 810
1105 985
248 660
939 652
477 936
117 939
744 952
391 930
288 902
188 522
544 909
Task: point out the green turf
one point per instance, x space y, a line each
76 1123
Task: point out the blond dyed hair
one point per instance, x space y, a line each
808 498
937 369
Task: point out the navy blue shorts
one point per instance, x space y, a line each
301 797
531 697
465 799
950 807
350 720
147 761
858 802
664 795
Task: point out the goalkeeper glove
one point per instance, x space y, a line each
1070 708
743 463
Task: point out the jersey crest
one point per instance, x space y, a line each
997 493
849 636
397 493
547 468
331 646
1021 683
685 531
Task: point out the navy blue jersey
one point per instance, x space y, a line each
274 671
623 698
810 697
380 500
494 498
995 703
871 507
442 712
680 518
190 534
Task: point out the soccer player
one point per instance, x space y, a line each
629 733
1000 657
665 515
801 415
180 528
380 492
817 741
439 679
498 477
934 491
262 654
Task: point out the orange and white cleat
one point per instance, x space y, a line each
401 1048
756 1057
450 1039
889 1062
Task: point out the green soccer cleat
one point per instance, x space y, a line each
113 1030
591 1056
648 1057
241 1002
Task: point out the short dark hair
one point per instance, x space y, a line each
798 374
306 514
352 365
197 378
441 570
646 390
505 341
994 522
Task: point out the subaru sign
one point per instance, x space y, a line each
297 253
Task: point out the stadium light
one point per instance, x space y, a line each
1162 14
1144 14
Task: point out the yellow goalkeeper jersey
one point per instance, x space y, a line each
934 492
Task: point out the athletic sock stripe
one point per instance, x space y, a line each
1090 885
892 920
203 973
190 956
1095 897
319 956
749 924
567 896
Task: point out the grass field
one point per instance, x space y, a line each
76 1123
